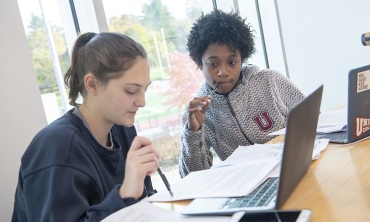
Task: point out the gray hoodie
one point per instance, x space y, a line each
256 106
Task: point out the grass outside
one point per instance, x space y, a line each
156 73
154 108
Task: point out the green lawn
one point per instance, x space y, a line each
154 108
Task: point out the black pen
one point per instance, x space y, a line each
165 181
214 90
211 94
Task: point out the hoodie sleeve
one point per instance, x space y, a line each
195 154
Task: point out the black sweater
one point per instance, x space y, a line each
66 175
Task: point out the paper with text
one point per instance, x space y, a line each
147 212
333 118
261 151
236 180
329 122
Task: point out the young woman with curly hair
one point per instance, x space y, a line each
249 103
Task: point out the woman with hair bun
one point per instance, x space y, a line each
90 162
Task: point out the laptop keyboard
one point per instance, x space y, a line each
260 196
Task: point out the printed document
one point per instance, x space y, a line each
147 212
329 122
261 151
232 181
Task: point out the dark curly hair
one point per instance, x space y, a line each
222 28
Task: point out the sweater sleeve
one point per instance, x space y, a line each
61 193
195 154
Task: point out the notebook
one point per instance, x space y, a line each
358 108
297 154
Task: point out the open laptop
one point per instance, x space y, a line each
297 157
358 108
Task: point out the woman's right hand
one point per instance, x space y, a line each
142 160
197 112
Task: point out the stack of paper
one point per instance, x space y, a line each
232 181
332 121
329 122
246 168
261 151
147 212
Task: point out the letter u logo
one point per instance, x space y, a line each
267 125
358 127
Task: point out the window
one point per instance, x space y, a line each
50 55
161 26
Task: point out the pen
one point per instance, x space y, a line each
214 90
211 94
165 181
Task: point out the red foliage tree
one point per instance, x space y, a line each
185 79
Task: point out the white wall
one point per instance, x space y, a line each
21 110
323 42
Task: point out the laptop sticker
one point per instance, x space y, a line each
362 126
363 81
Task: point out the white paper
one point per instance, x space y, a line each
329 122
279 132
261 151
319 130
147 212
332 121
333 118
320 145
236 180
248 153
331 129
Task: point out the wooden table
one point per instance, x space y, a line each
336 186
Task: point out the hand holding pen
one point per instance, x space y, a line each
142 160
197 110
215 89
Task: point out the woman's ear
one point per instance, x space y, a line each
90 83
